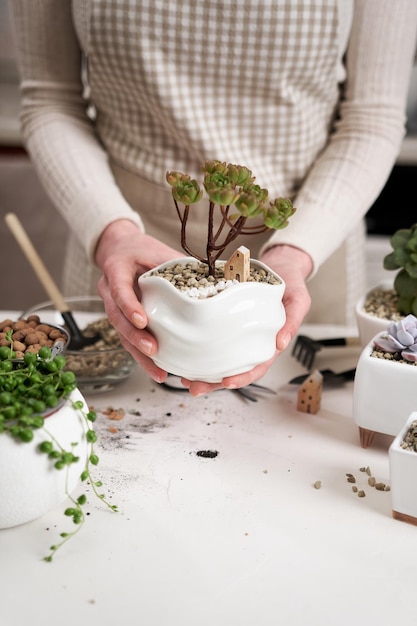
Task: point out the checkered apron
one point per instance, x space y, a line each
175 83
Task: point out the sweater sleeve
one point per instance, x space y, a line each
56 130
362 148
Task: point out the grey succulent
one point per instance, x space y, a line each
401 337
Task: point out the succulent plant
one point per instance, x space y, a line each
227 185
401 337
404 257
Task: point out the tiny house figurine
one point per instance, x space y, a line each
310 392
238 266
385 386
391 301
212 319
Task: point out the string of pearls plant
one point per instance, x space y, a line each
29 387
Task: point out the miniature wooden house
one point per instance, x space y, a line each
309 393
238 265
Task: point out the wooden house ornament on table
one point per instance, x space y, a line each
309 393
237 267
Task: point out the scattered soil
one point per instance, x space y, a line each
207 454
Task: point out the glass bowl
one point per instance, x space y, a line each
102 365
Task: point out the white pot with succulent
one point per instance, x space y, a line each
403 471
46 435
224 316
391 300
386 380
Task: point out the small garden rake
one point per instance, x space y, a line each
306 348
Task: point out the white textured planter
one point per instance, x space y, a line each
29 484
370 325
211 338
383 393
403 476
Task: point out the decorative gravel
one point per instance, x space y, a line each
383 303
192 278
391 356
410 440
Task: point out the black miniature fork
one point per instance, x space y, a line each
173 383
306 348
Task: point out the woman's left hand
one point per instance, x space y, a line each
294 266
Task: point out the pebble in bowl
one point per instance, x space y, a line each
102 365
30 335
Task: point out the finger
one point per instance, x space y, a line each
246 378
143 341
200 388
156 373
123 294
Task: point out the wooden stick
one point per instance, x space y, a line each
35 261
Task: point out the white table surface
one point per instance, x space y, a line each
243 539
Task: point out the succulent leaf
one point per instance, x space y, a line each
214 166
220 188
174 177
278 213
401 337
240 175
405 285
186 190
404 258
251 201
226 184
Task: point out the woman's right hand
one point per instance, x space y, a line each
124 253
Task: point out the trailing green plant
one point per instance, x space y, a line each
227 186
29 388
404 258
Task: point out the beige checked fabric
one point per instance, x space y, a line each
310 94
253 82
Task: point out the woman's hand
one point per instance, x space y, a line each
123 253
294 266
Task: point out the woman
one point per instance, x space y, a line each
310 96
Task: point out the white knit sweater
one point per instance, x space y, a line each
310 94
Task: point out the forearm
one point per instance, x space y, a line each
284 259
81 187
351 171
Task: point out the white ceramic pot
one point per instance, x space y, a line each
208 339
29 484
403 476
383 392
370 325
